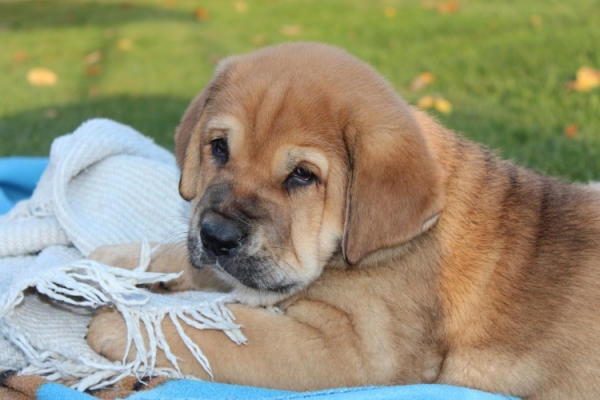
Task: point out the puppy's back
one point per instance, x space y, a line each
520 275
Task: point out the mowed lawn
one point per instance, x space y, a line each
504 66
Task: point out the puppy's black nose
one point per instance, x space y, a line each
220 235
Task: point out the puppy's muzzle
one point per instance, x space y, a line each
220 235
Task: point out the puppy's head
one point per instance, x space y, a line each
293 153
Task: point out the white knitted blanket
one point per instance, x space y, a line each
105 184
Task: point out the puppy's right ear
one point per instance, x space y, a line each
395 189
187 136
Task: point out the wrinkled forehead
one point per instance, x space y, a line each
276 152
272 113
268 102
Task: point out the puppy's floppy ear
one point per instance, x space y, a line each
187 135
395 187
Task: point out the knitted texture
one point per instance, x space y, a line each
105 184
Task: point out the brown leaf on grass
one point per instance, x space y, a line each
443 106
536 20
438 103
93 58
201 14
168 4
587 78
124 44
571 130
215 58
19 56
426 102
126 5
93 70
389 12
428 4
51 113
42 77
240 6
111 32
260 40
448 7
422 80
290 30
93 92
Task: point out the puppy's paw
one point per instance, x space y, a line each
107 335
125 256
166 258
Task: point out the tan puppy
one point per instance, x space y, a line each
399 251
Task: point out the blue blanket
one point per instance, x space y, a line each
186 389
18 177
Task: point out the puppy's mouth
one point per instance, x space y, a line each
236 266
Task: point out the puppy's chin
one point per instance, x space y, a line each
254 297
255 281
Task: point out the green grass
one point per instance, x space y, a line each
504 76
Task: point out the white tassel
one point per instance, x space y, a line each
83 200
193 347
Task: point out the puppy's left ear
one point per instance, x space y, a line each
395 189
187 135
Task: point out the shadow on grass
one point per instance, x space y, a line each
31 132
27 15
545 149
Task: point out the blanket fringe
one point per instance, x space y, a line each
87 283
93 375
151 319
83 200
89 374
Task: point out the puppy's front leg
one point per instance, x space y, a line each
167 258
313 346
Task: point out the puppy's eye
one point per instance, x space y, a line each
220 150
300 177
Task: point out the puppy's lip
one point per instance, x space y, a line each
278 287
285 289
200 259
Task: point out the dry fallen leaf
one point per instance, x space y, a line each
587 78
260 40
201 14
42 77
422 80
440 104
389 12
93 92
291 30
426 102
124 44
428 4
443 105
536 20
126 5
93 58
69 18
447 7
111 33
19 56
215 58
51 113
571 130
169 3
240 6
93 70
